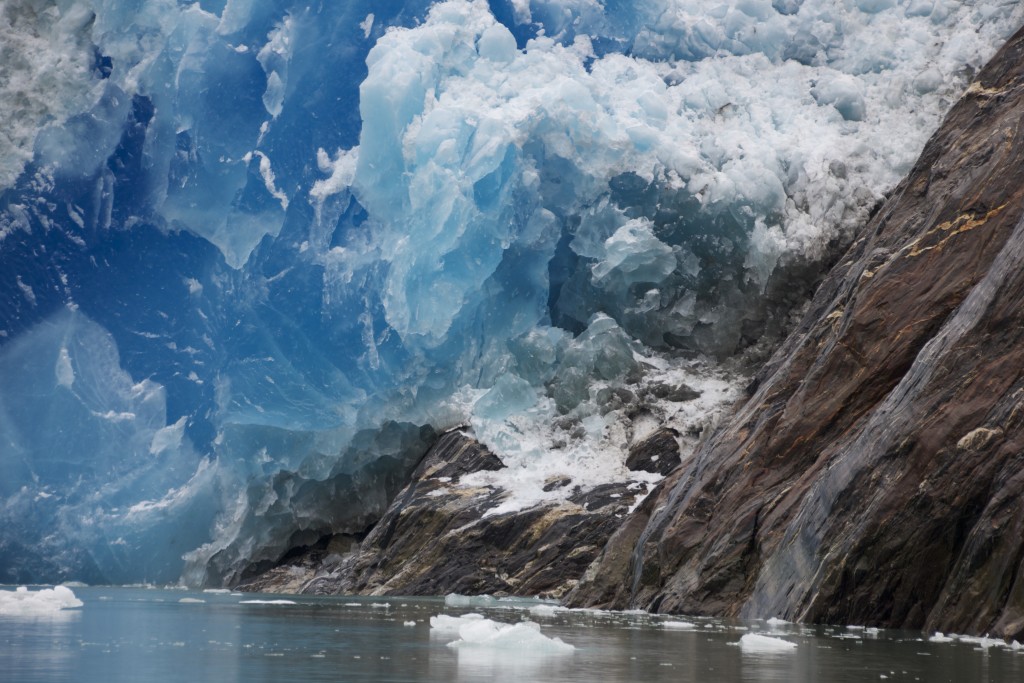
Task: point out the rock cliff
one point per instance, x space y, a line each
875 474
441 535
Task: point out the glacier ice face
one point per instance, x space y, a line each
250 249
93 468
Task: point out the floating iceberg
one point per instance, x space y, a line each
25 603
755 643
443 624
524 637
679 625
254 253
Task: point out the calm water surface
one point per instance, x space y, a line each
151 636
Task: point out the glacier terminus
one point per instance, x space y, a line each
256 254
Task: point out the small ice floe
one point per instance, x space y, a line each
408 623
25 603
217 591
267 602
443 624
456 600
191 601
679 625
984 642
524 637
547 610
753 643
775 621
940 637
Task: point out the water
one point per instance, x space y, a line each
150 635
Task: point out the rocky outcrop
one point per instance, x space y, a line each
876 472
659 453
441 535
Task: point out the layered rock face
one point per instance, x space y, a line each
876 473
442 535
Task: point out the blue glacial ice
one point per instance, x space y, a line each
253 253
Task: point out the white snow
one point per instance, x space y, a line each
25 603
47 75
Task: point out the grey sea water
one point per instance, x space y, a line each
153 636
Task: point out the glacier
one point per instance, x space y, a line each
255 254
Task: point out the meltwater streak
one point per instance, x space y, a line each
249 249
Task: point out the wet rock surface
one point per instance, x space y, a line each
658 453
876 473
440 536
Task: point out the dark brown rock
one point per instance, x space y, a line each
658 453
678 393
439 537
876 473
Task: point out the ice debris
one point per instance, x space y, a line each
679 625
446 624
525 637
755 643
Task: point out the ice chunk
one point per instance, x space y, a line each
635 255
547 610
755 643
984 642
267 602
443 624
497 44
524 637
678 625
456 600
844 93
25 603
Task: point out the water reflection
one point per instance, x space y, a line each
151 636
38 645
